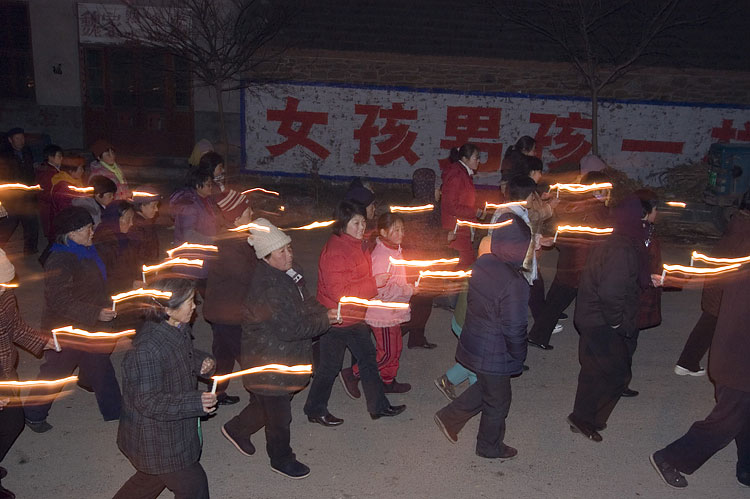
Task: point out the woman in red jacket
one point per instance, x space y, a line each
344 269
458 200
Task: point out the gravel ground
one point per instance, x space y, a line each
407 456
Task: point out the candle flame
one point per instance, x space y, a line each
80 189
444 274
708 259
277 368
188 246
422 263
476 225
314 225
173 261
39 382
70 330
260 189
397 305
7 285
250 226
676 204
493 206
144 194
412 209
155 293
582 187
683 269
584 230
23 187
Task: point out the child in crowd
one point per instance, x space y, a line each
104 193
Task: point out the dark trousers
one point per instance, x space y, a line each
95 371
559 297
11 425
358 339
421 308
605 358
729 420
30 224
698 342
536 296
226 350
491 395
274 413
188 483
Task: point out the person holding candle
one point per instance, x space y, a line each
345 269
281 321
493 340
386 324
75 293
144 231
160 431
458 200
606 314
116 248
13 331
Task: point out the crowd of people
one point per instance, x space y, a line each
100 231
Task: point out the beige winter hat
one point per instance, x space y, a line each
7 270
265 242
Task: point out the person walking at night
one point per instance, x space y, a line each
104 193
493 340
281 321
729 370
344 269
160 431
606 316
17 166
144 232
458 200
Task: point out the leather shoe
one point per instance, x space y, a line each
627 392
543 346
228 400
390 411
583 428
327 420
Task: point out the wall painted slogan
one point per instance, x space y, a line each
386 133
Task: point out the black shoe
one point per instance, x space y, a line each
667 472
452 437
426 345
507 452
6 494
744 478
228 400
600 427
627 392
390 411
350 383
39 426
562 317
525 367
396 387
583 428
295 470
85 388
3 472
543 346
327 420
244 445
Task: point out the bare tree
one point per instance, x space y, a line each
605 39
222 40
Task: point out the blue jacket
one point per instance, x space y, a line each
493 339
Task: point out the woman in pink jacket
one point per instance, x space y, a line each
386 323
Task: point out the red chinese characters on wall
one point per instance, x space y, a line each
570 144
399 138
296 125
727 132
478 125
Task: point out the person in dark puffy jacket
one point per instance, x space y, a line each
493 340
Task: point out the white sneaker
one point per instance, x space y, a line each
681 371
558 328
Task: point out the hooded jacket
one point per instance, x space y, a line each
493 338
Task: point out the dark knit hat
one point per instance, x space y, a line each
72 218
100 147
232 205
359 193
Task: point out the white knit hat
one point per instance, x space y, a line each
265 242
7 270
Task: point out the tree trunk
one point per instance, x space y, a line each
229 166
595 121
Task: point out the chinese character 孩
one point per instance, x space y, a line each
727 132
400 138
304 121
474 124
573 145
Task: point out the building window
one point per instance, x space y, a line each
16 60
